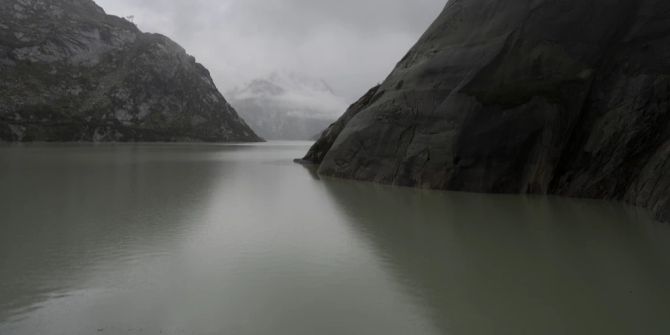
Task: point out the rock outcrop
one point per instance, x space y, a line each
532 96
70 72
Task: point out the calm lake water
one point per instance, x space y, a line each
225 239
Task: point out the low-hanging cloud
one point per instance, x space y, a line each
351 44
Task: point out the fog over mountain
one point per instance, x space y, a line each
287 106
351 44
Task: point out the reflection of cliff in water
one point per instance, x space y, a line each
70 214
517 265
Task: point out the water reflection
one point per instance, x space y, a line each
153 239
518 265
212 239
70 213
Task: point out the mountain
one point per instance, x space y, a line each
531 96
287 106
70 72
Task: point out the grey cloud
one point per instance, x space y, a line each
351 44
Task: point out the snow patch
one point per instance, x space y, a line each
75 91
18 131
145 110
22 37
123 115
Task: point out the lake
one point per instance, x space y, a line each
237 239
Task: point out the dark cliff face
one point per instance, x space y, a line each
72 73
561 97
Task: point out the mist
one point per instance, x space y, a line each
351 45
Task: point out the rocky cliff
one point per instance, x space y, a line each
563 97
72 73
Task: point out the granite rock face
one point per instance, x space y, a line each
70 72
566 97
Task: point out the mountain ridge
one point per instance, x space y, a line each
73 73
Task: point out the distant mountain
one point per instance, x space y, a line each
287 106
70 72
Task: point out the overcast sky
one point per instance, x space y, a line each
351 44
